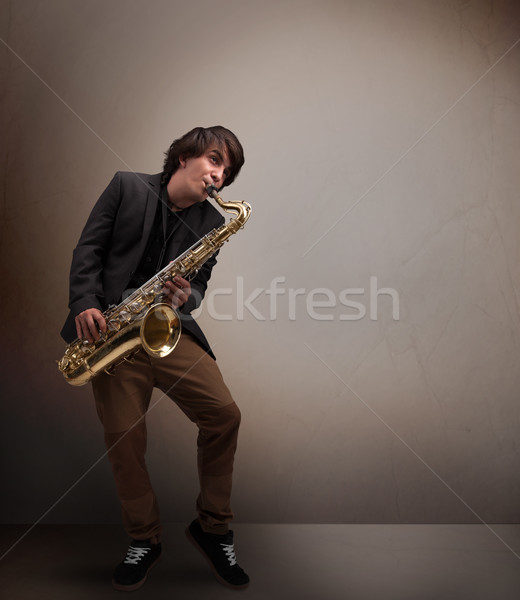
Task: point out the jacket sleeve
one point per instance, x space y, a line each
88 258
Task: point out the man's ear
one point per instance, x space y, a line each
182 161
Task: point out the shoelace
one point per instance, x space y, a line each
229 550
134 555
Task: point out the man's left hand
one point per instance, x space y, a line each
177 291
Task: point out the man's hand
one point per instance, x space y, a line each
177 291
89 323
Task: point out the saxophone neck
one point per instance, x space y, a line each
242 209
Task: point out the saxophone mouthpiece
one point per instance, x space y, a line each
212 190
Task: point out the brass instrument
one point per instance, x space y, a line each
143 319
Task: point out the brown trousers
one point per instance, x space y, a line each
192 379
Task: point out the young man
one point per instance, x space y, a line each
139 224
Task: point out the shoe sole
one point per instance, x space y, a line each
218 577
139 584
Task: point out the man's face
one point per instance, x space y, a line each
188 183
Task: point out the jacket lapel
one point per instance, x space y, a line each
152 198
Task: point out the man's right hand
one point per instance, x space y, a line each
90 323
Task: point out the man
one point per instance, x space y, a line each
139 224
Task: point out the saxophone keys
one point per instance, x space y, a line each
124 315
113 325
130 358
63 363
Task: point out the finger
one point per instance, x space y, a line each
85 329
79 333
84 332
177 291
180 281
183 285
101 323
92 327
183 298
169 287
89 326
173 290
175 302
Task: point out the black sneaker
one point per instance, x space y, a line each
219 551
131 573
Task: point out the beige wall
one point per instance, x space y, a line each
382 143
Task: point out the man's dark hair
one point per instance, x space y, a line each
196 142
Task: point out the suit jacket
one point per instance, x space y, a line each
113 242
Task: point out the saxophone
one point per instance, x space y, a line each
142 319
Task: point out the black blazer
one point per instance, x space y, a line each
114 239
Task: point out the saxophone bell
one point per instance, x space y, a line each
160 330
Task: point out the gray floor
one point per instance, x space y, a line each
325 562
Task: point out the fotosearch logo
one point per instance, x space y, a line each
280 301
